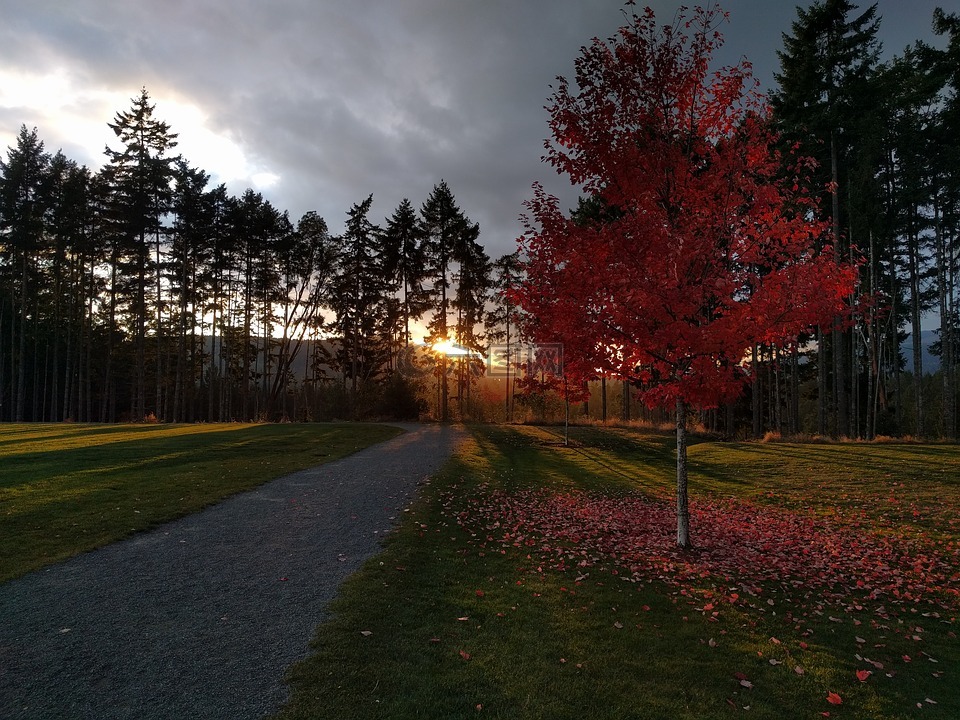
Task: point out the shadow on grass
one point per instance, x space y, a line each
63 501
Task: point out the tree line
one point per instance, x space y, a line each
140 292
885 138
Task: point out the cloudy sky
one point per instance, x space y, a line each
318 103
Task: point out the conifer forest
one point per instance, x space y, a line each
139 291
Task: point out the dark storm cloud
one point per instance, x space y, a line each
342 99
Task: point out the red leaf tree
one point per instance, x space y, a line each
697 247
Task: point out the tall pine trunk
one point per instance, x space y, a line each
915 310
839 356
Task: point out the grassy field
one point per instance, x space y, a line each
533 580
65 488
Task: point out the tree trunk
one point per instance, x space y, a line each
111 340
915 309
946 321
821 383
839 357
21 363
756 398
683 507
603 398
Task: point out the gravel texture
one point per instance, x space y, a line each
201 617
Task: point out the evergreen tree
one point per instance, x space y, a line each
447 237
473 286
358 301
824 102
140 174
946 161
190 254
501 320
404 266
24 199
306 258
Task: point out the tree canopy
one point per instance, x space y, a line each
710 249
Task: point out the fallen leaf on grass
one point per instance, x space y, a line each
464 654
862 675
746 683
798 670
366 633
834 699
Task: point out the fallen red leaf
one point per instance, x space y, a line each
862 675
834 699
464 654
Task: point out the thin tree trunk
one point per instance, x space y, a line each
626 400
821 383
915 330
111 339
603 398
20 365
945 323
683 506
756 399
839 357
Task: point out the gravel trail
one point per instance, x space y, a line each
201 617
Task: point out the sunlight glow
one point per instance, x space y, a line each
454 349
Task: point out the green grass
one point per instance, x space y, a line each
452 622
65 489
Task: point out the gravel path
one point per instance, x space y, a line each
201 617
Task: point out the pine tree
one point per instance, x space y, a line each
189 254
358 301
140 174
24 199
447 235
824 99
306 259
404 266
501 318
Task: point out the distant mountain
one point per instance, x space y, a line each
931 363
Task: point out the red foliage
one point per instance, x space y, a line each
746 554
702 250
